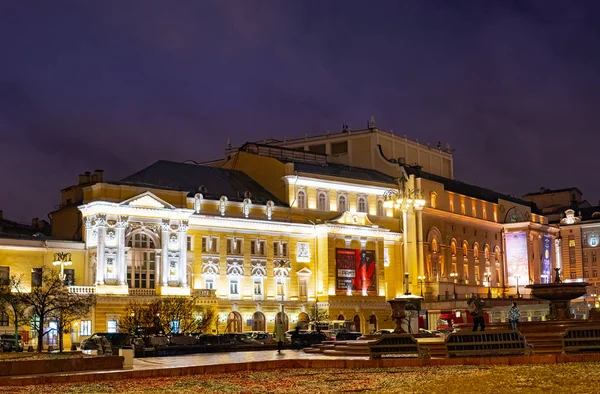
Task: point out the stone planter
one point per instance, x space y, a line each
31 367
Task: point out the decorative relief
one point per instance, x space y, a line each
223 205
165 225
281 268
210 266
110 256
386 257
198 202
258 268
111 237
146 201
173 244
270 205
184 226
302 252
235 268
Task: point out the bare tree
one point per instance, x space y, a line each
11 301
69 308
318 315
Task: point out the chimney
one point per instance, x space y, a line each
35 222
99 175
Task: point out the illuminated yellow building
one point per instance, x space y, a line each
296 223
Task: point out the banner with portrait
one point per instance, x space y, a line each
355 270
546 253
516 258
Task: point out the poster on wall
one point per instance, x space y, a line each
546 253
516 258
355 270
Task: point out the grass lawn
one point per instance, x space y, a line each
559 378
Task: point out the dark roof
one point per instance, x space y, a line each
10 228
546 191
588 213
169 175
342 171
466 189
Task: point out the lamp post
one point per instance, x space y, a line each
421 278
62 259
489 284
517 276
404 199
453 275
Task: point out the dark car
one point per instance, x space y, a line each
8 343
347 335
304 339
117 341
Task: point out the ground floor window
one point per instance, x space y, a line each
4 319
112 326
85 328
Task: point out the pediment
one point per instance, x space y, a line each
147 200
353 218
304 272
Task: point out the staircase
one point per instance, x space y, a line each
545 342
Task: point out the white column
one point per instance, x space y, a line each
183 254
164 274
101 223
404 245
121 262
558 252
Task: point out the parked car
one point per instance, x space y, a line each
343 335
263 338
8 343
115 340
384 331
304 339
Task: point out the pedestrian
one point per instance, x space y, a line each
279 333
475 305
514 316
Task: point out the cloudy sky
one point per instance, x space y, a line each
514 87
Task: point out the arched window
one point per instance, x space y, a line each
342 206
234 322
258 322
465 250
433 198
141 261
362 204
380 211
322 202
301 199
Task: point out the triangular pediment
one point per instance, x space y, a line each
304 272
353 218
147 200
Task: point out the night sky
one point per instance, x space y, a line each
514 87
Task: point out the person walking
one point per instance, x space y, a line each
279 333
514 316
475 305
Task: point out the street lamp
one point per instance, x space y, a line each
453 275
517 276
421 278
62 259
489 284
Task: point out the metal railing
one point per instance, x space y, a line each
205 293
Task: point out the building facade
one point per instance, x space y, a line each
339 221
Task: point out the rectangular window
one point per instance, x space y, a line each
586 274
280 249
4 319
175 326
477 274
112 326
339 148
258 287
85 327
4 274
451 204
210 244
189 243
572 258
234 246
317 148
463 210
36 277
280 288
466 271
573 275
585 258
302 287
69 277
593 257
484 213
209 283
595 273
257 247
234 287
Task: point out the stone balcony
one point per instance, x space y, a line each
82 289
142 292
204 293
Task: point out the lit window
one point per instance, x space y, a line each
5 274
210 244
257 247
85 327
280 283
322 202
258 287
280 249
234 246
380 211
112 326
573 275
209 283
451 203
342 207
433 199
301 199
175 326
302 287
234 287
4 319
362 204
